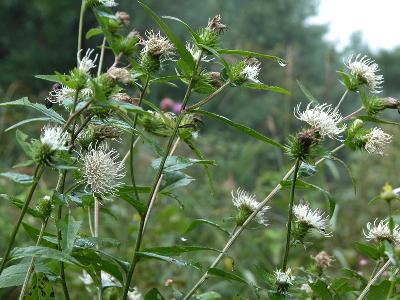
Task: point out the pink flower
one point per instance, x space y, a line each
167 104
177 108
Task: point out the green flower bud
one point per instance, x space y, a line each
45 207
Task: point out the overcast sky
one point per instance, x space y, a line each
379 21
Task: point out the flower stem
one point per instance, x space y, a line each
157 177
209 98
80 30
38 173
290 215
374 279
32 264
341 100
103 47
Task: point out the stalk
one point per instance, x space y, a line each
374 279
103 46
341 100
290 215
80 30
209 98
38 173
157 177
32 264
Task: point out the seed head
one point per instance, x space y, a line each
323 259
120 74
215 24
365 69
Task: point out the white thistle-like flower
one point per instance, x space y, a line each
311 218
135 295
323 118
244 200
101 170
381 231
251 71
86 63
377 139
196 52
64 93
156 44
54 137
365 70
284 277
108 3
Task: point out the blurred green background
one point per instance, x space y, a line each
39 37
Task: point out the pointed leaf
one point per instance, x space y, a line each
265 87
198 222
18 177
226 275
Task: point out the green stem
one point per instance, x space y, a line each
32 264
103 47
290 215
157 177
80 30
209 98
341 100
38 173
374 279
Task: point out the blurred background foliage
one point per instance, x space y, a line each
39 37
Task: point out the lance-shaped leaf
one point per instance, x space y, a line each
279 60
18 177
198 222
226 275
27 121
265 87
177 250
43 252
176 163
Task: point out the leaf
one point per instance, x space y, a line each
380 291
208 296
21 140
198 222
368 250
265 87
93 32
180 47
376 120
42 119
15 274
252 54
18 177
177 250
242 128
153 294
43 252
307 93
69 228
194 33
49 240
176 163
127 193
52 78
353 179
40 288
55 117
174 180
321 289
19 203
226 275
217 54
355 275
149 255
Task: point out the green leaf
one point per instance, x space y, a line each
252 54
353 179
127 193
180 47
49 240
52 78
153 294
55 117
208 296
307 93
198 222
43 252
150 255
21 140
321 289
265 87
69 228
242 128
226 275
368 250
18 177
380 291
15 274
194 33
176 163
40 288
217 54
376 120
19 203
93 32
177 250
355 275
174 180
42 119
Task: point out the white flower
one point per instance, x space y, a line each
251 70
135 295
377 139
284 278
86 63
311 218
59 95
108 3
323 118
196 52
365 70
397 191
306 288
381 231
156 44
101 170
244 200
54 137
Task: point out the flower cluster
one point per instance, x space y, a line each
54 137
86 63
378 232
247 204
310 219
377 140
157 45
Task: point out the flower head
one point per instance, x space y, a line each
156 44
101 170
135 295
377 139
323 118
311 218
247 204
54 137
251 70
381 231
365 69
323 259
120 74
86 63
108 3
215 24
196 52
284 277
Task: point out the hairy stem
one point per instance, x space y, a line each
158 175
38 173
80 30
290 215
32 264
374 279
341 100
